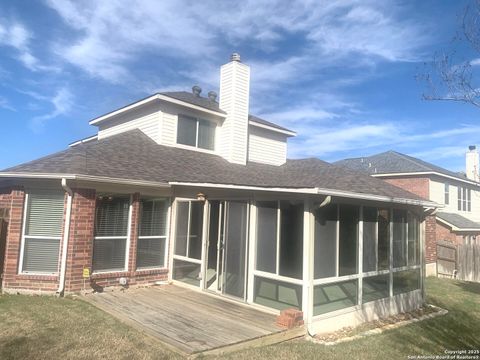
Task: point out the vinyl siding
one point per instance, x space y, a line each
147 120
266 147
437 194
169 129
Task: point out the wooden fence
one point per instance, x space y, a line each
468 260
446 259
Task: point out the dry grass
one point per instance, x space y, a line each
41 327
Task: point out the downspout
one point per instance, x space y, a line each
66 233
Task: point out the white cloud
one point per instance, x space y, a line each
17 36
62 102
5 104
111 37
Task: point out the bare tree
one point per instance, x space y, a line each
450 77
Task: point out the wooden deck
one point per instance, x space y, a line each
190 321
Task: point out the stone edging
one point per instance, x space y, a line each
439 312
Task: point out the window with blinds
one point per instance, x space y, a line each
152 233
42 232
111 231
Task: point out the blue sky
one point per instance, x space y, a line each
342 74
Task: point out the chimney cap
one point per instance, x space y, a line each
196 90
212 95
472 147
235 57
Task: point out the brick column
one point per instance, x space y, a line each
14 238
80 245
132 258
430 239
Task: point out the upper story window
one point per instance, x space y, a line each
464 199
447 194
196 132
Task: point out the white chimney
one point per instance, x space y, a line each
471 163
234 100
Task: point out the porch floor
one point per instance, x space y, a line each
187 320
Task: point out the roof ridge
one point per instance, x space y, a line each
411 159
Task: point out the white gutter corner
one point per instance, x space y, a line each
66 233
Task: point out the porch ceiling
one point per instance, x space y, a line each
184 319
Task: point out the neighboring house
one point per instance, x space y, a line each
458 220
178 187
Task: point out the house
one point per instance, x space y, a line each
458 220
178 187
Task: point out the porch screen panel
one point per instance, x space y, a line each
325 241
43 230
399 238
369 239
335 296
181 230
375 288
152 233
413 240
383 239
405 281
196 230
277 294
348 240
111 230
266 236
291 240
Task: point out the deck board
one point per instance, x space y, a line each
185 319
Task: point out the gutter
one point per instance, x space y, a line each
66 233
102 179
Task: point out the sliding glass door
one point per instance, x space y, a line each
227 246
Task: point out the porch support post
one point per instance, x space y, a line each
252 246
422 257
308 259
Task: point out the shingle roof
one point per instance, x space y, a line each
392 162
458 221
133 155
195 100
268 123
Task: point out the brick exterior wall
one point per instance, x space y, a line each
79 252
12 281
419 186
445 234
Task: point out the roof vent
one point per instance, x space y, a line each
472 147
196 90
235 57
212 95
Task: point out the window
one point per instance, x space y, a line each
447 194
111 232
196 132
152 233
280 252
43 231
464 199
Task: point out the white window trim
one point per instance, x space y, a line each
127 244
20 270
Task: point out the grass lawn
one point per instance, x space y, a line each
47 327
